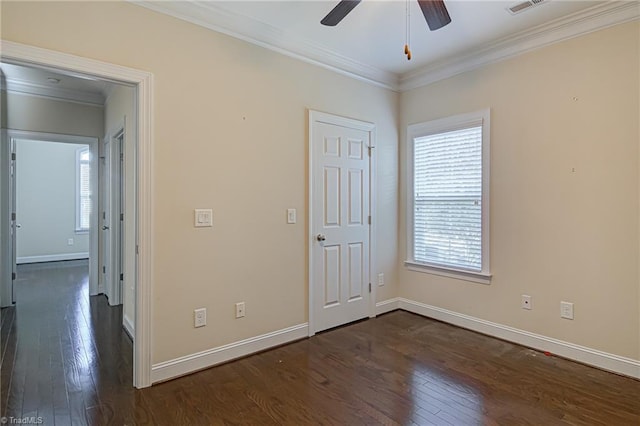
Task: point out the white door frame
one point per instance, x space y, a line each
111 253
323 117
143 82
14 135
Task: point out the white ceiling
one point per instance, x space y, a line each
369 42
374 32
54 85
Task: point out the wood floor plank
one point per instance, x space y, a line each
66 357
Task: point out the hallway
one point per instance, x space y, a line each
63 353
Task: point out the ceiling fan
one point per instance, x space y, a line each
434 11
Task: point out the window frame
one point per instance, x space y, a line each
443 125
79 162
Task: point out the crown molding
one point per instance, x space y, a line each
210 15
574 25
55 93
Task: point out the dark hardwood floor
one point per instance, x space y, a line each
66 359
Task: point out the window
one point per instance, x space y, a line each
448 185
83 189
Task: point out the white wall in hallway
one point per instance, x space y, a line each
46 202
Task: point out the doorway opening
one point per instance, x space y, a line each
137 247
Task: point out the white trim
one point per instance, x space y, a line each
214 17
50 137
78 196
52 257
210 357
606 361
577 24
460 274
92 143
323 117
54 93
387 306
75 65
128 326
476 118
373 225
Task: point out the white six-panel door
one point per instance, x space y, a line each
340 223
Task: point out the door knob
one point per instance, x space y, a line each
320 237
105 227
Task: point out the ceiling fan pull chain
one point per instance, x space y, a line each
407 49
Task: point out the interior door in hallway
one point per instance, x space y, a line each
340 223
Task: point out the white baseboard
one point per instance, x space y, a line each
128 325
52 257
387 306
201 360
606 361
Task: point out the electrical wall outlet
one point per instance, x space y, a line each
381 279
70 241
526 302
200 317
239 309
566 310
291 216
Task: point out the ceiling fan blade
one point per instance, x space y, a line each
435 12
341 10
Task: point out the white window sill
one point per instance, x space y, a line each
476 277
82 231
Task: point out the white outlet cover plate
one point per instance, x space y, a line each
291 216
203 218
239 309
566 310
200 317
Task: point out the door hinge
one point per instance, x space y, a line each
369 287
13 276
369 150
13 216
104 269
121 277
104 215
137 251
13 156
121 217
369 219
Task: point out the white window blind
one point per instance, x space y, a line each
448 198
448 193
83 202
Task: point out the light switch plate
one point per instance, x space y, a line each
566 310
291 216
203 218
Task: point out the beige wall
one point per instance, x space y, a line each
230 133
556 234
38 114
118 111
